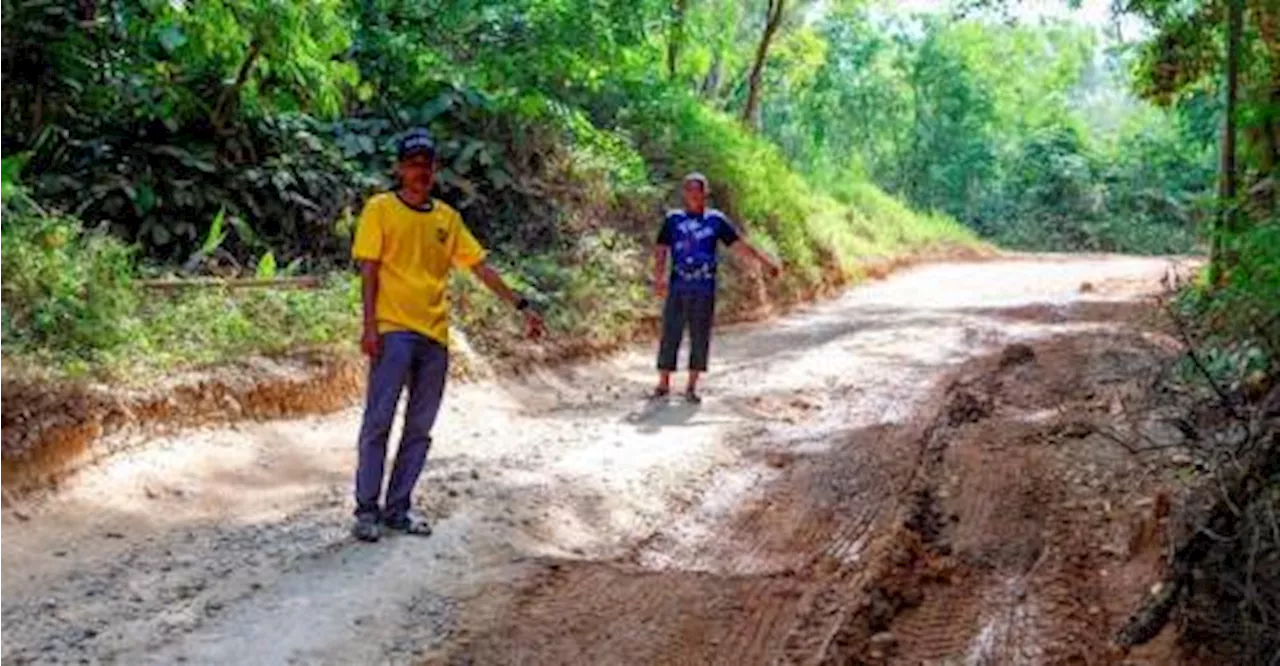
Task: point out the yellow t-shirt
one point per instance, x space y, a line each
415 251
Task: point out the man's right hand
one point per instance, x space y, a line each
371 342
660 288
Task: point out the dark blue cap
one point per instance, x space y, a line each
416 141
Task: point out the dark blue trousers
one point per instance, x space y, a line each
421 364
696 311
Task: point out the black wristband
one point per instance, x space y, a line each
522 304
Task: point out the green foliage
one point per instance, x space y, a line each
753 182
997 125
266 269
216 326
1237 320
65 287
70 299
241 136
1249 303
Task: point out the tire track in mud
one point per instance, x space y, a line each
770 582
934 542
1010 553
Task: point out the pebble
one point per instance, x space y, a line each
21 515
884 639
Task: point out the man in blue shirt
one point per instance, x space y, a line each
691 237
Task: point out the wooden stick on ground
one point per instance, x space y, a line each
304 282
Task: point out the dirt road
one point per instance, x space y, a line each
573 524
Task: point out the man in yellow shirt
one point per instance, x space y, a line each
406 244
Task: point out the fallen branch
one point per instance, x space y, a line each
304 282
1225 399
1154 613
1108 433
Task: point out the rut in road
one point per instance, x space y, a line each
988 529
710 591
572 524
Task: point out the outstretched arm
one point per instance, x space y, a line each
493 280
743 248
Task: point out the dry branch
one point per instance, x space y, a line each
305 282
1238 491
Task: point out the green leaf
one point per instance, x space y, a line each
10 168
145 198
294 267
216 235
464 159
431 110
186 158
499 178
160 235
171 38
243 231
266 266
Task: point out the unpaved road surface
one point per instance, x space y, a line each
574 524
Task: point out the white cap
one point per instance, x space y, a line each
700 179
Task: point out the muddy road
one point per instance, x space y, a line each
574 524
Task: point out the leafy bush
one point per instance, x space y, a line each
757 187
1249 303
241 138
66 288
70 300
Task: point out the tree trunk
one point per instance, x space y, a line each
711 82
229 96
1219 257
773 20
675 38
1266 143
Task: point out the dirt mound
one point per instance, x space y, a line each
771 583
52 429
1049 533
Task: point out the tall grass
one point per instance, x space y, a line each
850 219
71 306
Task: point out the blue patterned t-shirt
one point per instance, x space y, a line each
694 241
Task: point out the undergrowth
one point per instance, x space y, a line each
1232 329
73 305
1238 319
